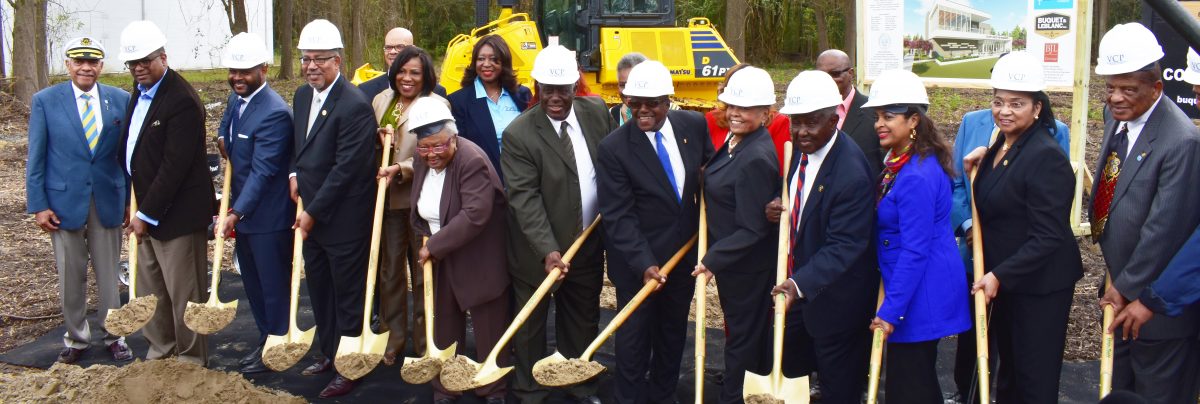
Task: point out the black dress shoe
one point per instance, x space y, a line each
320 366
589 400
495 400
255 355
339 386
254 367
120 351
70 355
443 401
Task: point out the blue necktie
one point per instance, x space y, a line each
665 160
236 120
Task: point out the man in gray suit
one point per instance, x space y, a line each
1143 209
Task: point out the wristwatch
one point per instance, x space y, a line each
236 213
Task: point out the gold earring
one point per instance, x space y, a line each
913 135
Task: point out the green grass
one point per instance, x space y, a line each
979 69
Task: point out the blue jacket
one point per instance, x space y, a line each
922 274
62 174
474 120
1179 284
260 153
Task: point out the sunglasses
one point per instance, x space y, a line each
635 103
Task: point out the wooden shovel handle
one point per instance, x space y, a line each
981 323
540 293
701 302
131 246
781 267
297 269
1106 345
376 237
876 361
219 230
633 304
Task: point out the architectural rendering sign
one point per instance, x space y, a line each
956 42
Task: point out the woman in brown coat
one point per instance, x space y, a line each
458 202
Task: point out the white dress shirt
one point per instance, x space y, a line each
429 205
242 108
82 105
1135 127
318 101
672 153
583 166
815 160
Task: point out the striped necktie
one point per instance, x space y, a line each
89 123
795 211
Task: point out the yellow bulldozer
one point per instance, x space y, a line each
600 32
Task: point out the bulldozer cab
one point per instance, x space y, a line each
577 23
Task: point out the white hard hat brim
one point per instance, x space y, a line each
744 101
1191 77
131 56
805 108
558 81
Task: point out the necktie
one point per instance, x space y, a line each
89 123
1108 180
236 120
796 203
312 114
569 150
665 160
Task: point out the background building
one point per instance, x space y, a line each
958 31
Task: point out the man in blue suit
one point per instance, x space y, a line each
76 191
256 136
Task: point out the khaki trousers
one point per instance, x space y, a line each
72 249
175 270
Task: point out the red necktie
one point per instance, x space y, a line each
1108 181
796 211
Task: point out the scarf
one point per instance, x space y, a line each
892 165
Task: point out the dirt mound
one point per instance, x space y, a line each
159 381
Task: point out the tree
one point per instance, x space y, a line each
357 40
735 26
3 74
235 12
849 24
26 72
283 31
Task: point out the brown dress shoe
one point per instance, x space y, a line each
120 351
389 358
320 366
70 355
339 386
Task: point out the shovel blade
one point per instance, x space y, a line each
368 344
790 390
443 354
556 357
489 373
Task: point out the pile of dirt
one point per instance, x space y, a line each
283 356
132 316
421 371
207 320
762 399
458 374
159 381
356 365
566 373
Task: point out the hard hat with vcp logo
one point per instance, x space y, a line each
244 51
649 79
555 65
139 39
425 111
749 87
1192 74
809 91
1018 71
1127 48
897 87
320 35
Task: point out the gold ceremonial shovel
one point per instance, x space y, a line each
422 370
981 322
877 341
283 351
701 302
1106 345
214 315
137 312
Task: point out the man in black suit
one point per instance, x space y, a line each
163 150
333 174
833 282
852 118
647 218
395 41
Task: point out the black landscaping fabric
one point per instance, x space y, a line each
226 347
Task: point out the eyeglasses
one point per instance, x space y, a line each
320 62
835 73
636 104
1015 105
439 149
394 48
133 64
549 89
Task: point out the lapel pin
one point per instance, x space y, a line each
1141 156
323 113
1005 163
685 140
820 188
155 123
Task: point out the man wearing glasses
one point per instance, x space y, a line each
395 41
163 150
333 173
859 124
548 161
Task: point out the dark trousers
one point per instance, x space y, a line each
652 340
841 357
912 373
1161 371
398 256
966 372
746 301
266 264
336 277
1030 333
489 321
576 324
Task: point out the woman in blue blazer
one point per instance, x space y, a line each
490 97
922 274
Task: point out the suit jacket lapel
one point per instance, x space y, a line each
549 135
327 106
1137 154
71 112
150 119
645 153
817 190
303 104
1109 128
479 108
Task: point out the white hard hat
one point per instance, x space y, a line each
425 111
244 51
555 65
320 35
1127 48
139 39
811 90
1018 71
649 79
1192 74
749 87
897 87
